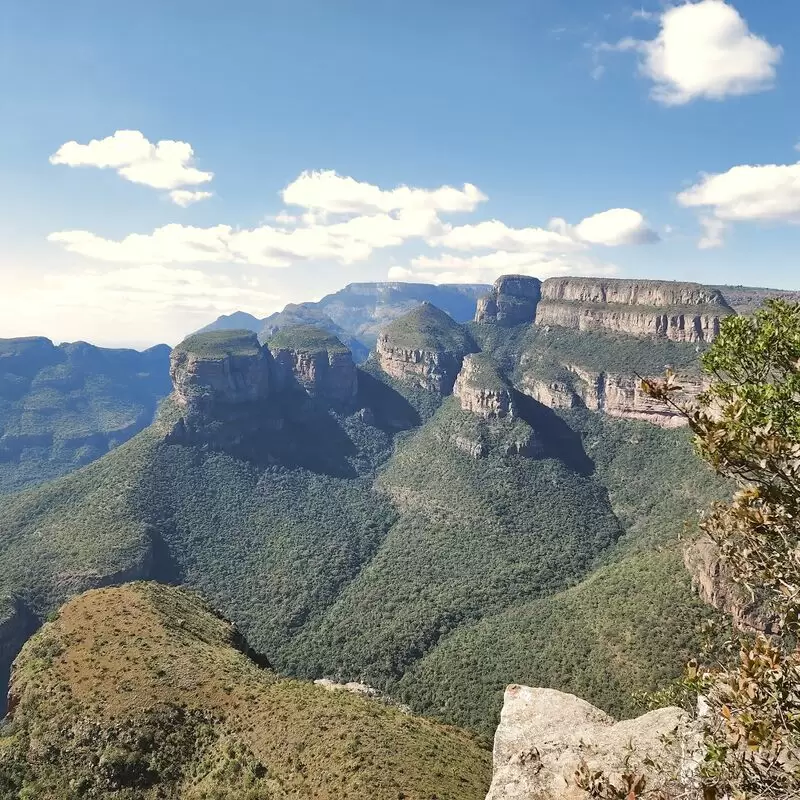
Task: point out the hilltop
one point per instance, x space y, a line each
143 691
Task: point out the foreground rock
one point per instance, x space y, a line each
681 312
512 301
424 348
547 739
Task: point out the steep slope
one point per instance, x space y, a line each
143 692
748 299
62 407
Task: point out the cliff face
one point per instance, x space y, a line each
425 348
481 390
17 623
712 583
547 740
618 395
682 312
512 301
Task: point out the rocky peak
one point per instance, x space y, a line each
481 388
315 360
512 301
546 739
684 312
424 347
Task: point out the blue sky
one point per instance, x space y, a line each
553 112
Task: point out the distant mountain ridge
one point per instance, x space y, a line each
64 406
357 312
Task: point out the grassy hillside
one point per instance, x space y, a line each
63 407
142 692
428 328
307 338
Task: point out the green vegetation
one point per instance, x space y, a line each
747 426
308 338
747 300
63 407
485 373
428 328
141 692
219 344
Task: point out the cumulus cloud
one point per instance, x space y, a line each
770 192
165 164
496 235
185 197
329 192
616 227
704 50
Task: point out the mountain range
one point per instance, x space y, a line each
488 498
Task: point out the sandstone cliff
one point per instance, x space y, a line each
316 361
424 348
714 586
222 385
512 301
682 312
618 395
481 389
547 740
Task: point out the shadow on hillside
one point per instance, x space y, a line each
390 410
558 439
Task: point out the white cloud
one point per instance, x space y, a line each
769 192
185 197
450 268
704 50
326 191
616 227
496 235
164 165
713 233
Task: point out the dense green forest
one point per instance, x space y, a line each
377 547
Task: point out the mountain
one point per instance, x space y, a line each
142 691
422 523
357 313
62 407
239 320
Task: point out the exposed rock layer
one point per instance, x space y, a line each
682 312
512 301
614 394
481 390
545 737
321 373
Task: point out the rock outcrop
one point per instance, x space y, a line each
222 386
316 361
682 312
17 624
618 395
481 389
424 348
715 587
547 739
512 301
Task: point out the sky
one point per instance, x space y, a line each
165 163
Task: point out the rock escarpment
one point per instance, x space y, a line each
713 584
547 739
512 301
615 394
682 312
317 362
17 623
481 389
424 348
